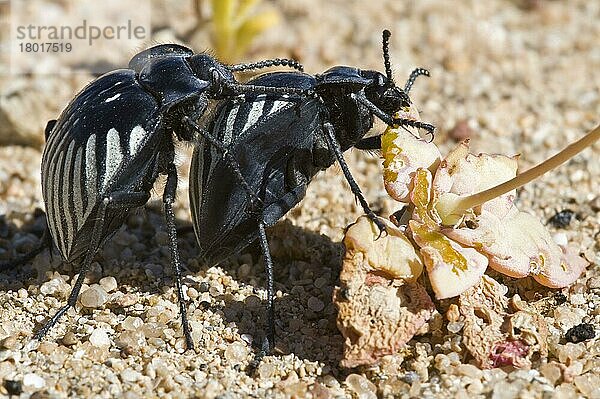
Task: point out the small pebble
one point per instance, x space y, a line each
192 293
320 282
132 323
99 338
34 381
236 352
410 377
126 300
94 297
266 370
204 287
129 375
560 298
461 131
453 314
455 327
69 339
9 342
551 371
469 370
108 283
588 384
363 388
315 304
561 239
577 299
247 338
580 333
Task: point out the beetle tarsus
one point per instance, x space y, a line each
380 225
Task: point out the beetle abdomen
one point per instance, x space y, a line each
102 130
271 138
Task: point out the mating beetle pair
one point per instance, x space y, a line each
268 139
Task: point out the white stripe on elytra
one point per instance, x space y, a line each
77 197
50 211
135 139
229 125
91 174
254 114
112 157
112 98
277 105
66 194
56 200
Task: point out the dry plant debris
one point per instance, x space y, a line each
380 305
455 243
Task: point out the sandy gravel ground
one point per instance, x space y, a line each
515 76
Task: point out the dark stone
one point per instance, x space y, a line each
562 219
204 286
580 333
560 298
13 387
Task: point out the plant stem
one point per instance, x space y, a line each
573 149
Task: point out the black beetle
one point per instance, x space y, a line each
261 152
109 145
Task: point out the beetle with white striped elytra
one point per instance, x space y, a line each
109 145
276 145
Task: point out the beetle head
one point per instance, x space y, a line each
206 67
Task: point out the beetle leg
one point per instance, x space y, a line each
264 245
116 200
335 147
230 160
369 143
361 98
168 200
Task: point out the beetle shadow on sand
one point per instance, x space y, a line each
306 267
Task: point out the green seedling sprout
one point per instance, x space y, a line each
236 24
452 207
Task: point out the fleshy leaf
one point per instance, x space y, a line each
463 174
393 254
403 152
518 245
452 268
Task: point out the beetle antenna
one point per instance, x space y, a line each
386 54
413 76
266 64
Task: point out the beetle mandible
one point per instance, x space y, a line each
111 142
261 151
